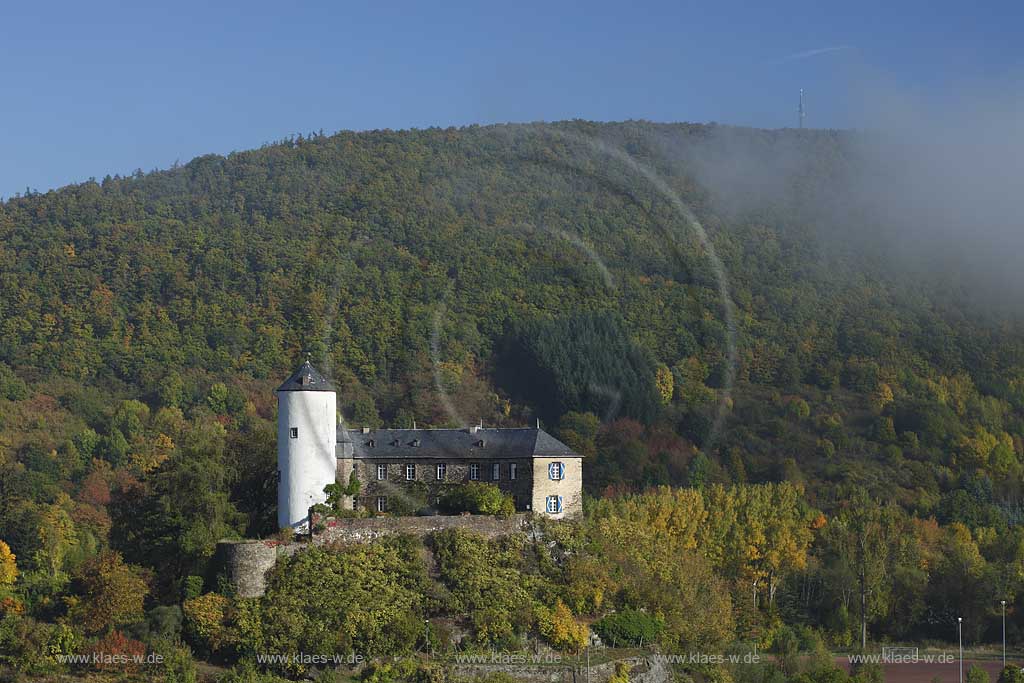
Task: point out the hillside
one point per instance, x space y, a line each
392 256
502 274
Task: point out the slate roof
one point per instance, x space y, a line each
306 378
454 443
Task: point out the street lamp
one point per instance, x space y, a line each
960 637
1003 603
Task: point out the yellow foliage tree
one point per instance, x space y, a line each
561 629
206 618
8 565
665 382
57 535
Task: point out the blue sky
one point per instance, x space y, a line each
97 88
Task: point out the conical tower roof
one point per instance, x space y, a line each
306 378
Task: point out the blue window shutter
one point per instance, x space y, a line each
559 503
551 471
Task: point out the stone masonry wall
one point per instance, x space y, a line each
570 487
457 472
351 530
246 563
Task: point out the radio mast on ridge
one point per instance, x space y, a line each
800 112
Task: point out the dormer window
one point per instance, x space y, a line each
396 442
371 443
415 443
480 443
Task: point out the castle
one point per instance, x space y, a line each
542 474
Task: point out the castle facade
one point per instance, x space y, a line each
397 466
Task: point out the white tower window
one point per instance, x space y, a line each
293 432
382 472
556 471
554 504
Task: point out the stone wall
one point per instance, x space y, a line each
426 488
246 563
367 529
570 487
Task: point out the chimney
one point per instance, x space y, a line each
366 430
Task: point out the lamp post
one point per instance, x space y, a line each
1003 603
960 637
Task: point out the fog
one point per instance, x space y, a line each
938 188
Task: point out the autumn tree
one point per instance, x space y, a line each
110 593
8 566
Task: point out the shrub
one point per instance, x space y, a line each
1011 674
977 675
178 665
561 629
477 498
193 587
621 674
206 620
111 650
629 627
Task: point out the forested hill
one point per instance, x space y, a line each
498 273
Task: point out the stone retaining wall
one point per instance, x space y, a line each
369 528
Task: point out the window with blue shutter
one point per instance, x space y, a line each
553 504
556 471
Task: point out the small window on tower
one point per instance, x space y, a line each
293 432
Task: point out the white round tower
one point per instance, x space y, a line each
306 424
